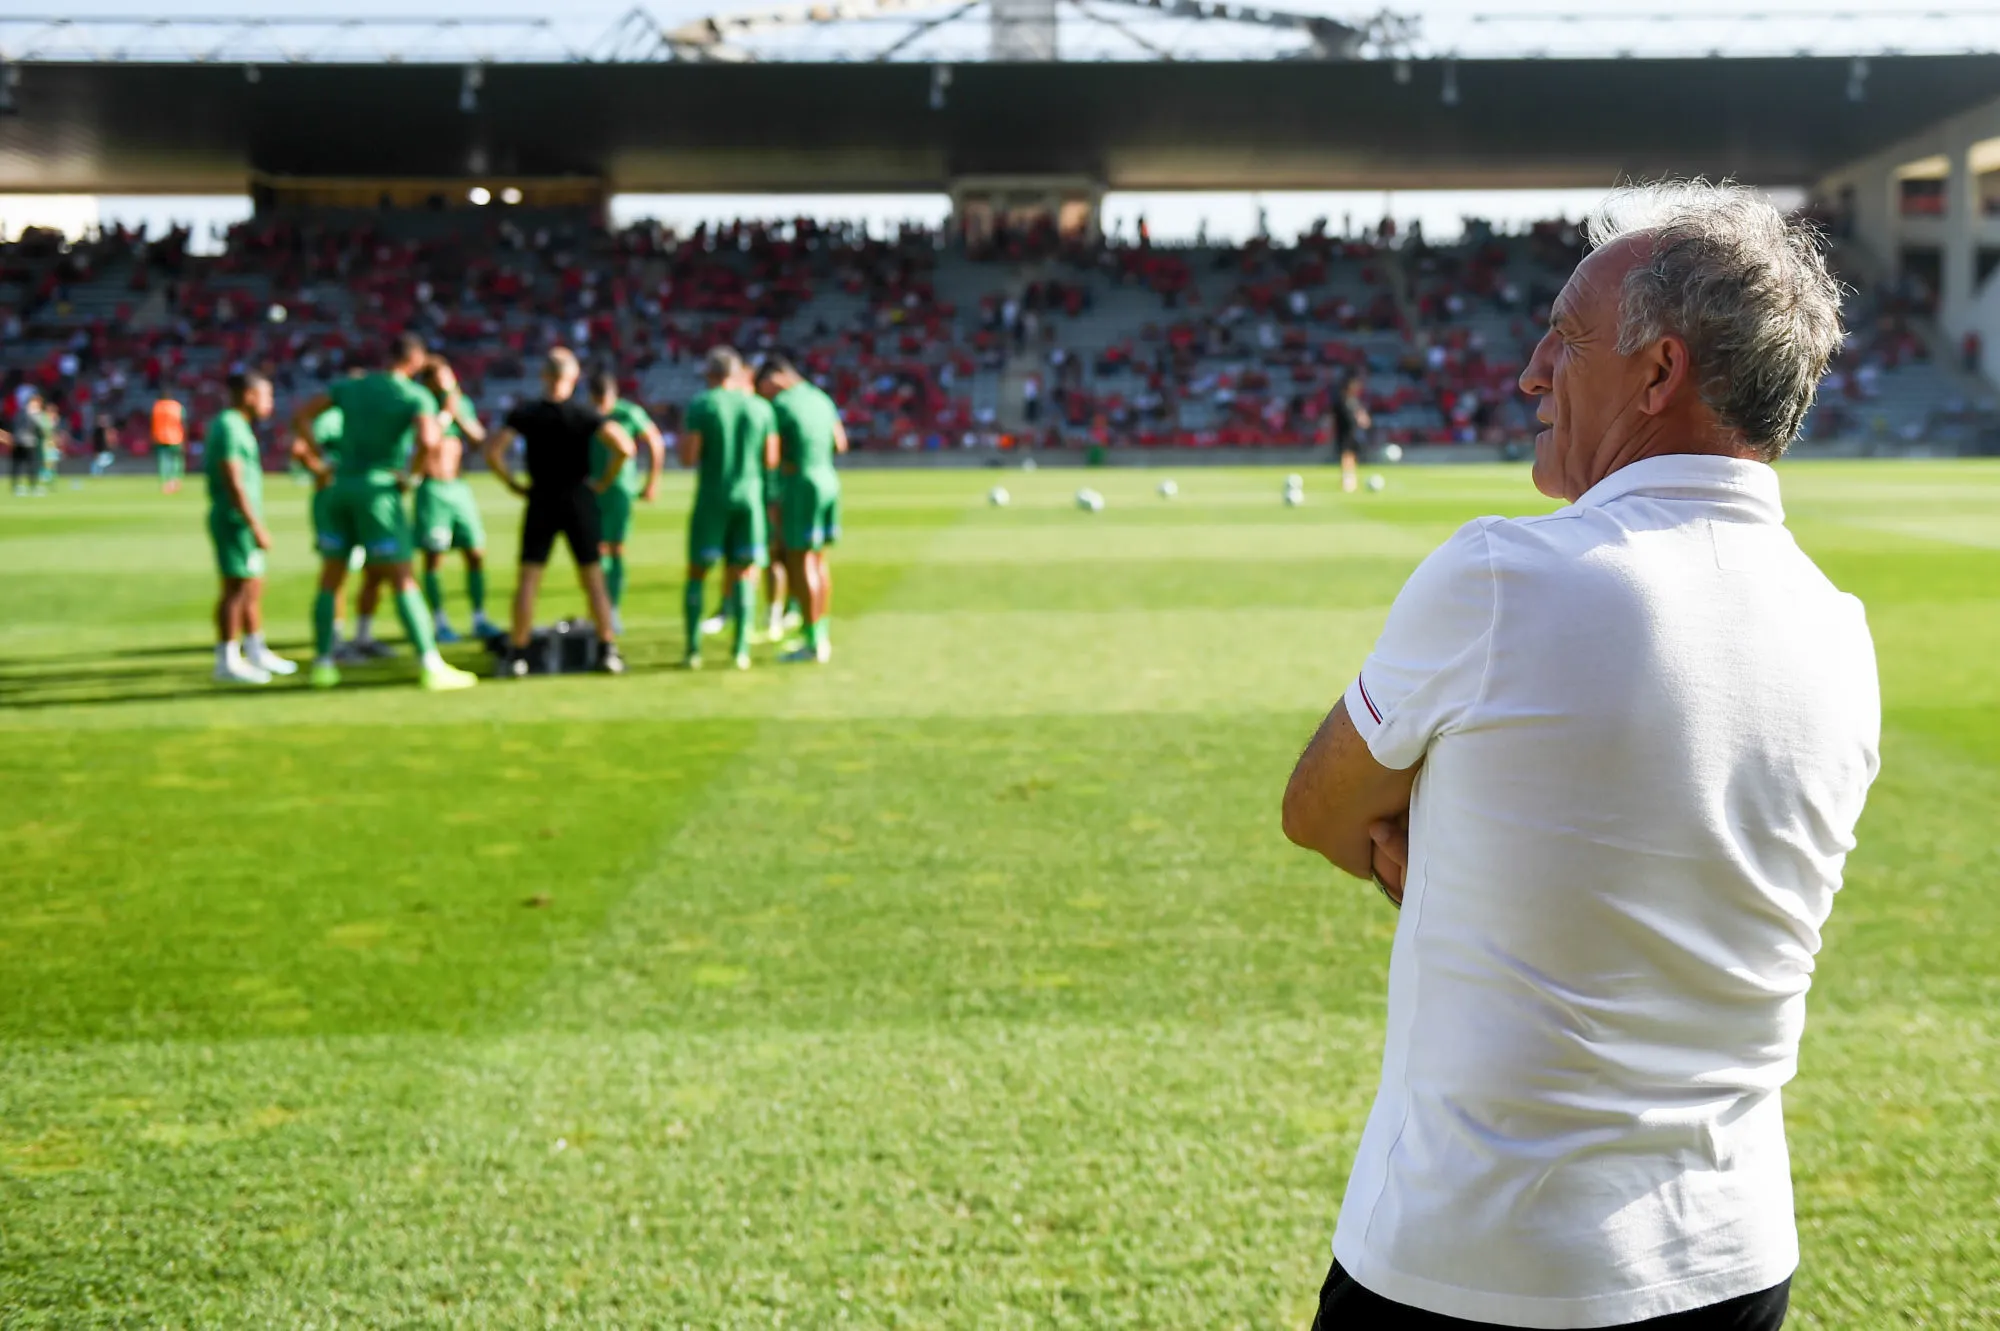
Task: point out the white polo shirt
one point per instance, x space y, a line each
1647 724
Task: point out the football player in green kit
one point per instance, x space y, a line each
810 436
380 414
321 462
445 512
729 436
614 506
234 467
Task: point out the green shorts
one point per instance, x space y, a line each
369 513
614 515
727 529
447 517
812 512
236 552
322 505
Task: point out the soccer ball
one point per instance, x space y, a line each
1294 497
1392 452
998 496
1089 500
1376 483
1295 482
1168 489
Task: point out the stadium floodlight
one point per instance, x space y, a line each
480 196
510 195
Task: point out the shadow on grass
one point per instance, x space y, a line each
201 688
20 667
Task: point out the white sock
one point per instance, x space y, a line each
322 660
364 628
253 644
442 622
228 655
434 660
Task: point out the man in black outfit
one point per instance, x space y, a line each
1346 419
561 495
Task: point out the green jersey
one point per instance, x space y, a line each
633 417
808 424
733 425
326 435
230 439
377 412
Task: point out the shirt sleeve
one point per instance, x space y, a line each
1428 668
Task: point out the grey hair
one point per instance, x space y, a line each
720 363
1746 288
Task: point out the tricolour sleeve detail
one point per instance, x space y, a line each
1428 668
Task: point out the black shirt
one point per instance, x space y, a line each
1345 427
558 436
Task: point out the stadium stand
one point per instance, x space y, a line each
926 345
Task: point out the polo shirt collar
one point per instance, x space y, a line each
1739 482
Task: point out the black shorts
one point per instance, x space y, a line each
1344 1305
573 513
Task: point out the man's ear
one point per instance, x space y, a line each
1669 370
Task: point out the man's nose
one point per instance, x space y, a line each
1530 381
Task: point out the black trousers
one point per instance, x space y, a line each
1345 1306
26 466
571 513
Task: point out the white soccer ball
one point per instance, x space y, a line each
1392 452
1168 489
1295 482
1089 500
1376 482
1293 498
998 496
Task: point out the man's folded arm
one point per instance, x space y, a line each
1338 789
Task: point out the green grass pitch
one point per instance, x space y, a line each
966 983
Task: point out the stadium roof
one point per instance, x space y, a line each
196 128
833 31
